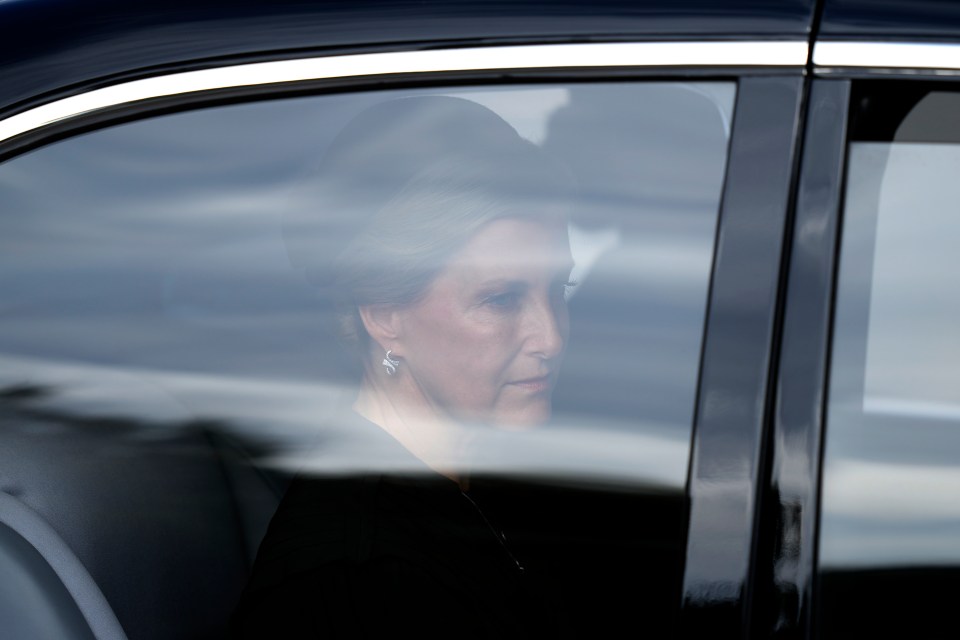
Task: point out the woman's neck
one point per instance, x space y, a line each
438 441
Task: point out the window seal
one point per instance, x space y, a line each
688 54
835 56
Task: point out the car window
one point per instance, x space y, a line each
890 518
177 273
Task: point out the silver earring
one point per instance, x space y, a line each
389 364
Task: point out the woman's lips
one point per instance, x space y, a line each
534 385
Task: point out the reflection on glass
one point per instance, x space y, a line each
157 248
206 265
892 464
890 520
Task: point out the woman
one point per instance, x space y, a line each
451 295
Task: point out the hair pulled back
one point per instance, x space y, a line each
402 188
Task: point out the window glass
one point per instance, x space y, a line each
187 273
890 518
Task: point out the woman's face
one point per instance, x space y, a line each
486 341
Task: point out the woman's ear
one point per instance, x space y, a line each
383 323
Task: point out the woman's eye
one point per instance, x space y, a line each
505 300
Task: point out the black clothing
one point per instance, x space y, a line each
371 554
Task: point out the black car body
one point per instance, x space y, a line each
817 490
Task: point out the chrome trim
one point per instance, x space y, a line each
886 55
555 56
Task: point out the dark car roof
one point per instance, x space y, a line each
895 19
47 45
53 48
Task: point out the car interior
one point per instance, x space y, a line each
129 509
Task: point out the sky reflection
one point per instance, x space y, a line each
146 274
892 465
297 421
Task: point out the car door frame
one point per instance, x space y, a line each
784 595
728 462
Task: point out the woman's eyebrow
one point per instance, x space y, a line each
504 283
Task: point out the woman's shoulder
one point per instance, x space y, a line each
314 526
383 510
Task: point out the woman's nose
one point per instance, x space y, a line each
548 330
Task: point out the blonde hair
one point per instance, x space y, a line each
408 241
403 186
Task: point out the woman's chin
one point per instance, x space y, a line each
523 418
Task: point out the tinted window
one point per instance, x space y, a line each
890 520
157 277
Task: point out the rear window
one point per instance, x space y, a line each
173 273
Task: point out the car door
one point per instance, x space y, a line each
154 302
861 505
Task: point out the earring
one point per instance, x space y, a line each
389 364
